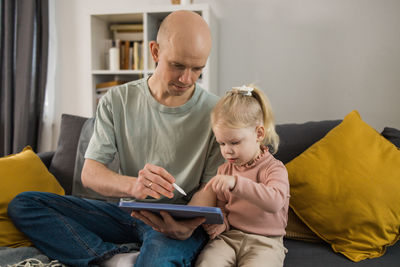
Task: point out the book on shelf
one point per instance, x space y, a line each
128 36
136 58
120 46
128 32
103 87
141 56
131 54
132 27
126 54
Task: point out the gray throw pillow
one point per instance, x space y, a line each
78 189
296 138
63 161
393 135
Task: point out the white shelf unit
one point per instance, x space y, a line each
150 17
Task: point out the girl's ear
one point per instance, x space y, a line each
260 131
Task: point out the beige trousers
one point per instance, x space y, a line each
235 248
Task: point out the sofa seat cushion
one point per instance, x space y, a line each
19 173
345 189
306 254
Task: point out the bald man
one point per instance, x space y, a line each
160 129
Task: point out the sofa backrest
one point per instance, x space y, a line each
76 131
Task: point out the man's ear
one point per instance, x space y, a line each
154 50
260 131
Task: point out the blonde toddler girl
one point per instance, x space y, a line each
252 186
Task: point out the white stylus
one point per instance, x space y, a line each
180 190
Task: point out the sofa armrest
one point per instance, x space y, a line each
46 157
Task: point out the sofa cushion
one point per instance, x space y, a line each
46 157
298 230
295 138
306 254
345 188
63 162
393 135
78 189
19 173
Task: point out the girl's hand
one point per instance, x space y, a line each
221 183
213 230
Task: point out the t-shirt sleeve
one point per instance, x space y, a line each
102 145
213 161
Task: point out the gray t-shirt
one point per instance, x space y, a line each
130 122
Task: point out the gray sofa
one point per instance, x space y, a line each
66 163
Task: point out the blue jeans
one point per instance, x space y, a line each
82 232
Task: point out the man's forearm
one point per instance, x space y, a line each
204 197
99 178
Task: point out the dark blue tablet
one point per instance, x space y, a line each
213 215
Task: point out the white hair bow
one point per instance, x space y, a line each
244 90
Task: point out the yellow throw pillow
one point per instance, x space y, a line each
19 173
345 188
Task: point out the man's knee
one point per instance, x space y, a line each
20 204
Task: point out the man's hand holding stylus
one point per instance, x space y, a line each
153 181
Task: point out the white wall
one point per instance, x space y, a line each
316 59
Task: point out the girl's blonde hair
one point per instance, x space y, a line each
241 109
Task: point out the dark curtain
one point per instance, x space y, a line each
23 69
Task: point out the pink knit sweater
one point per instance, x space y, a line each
259 202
